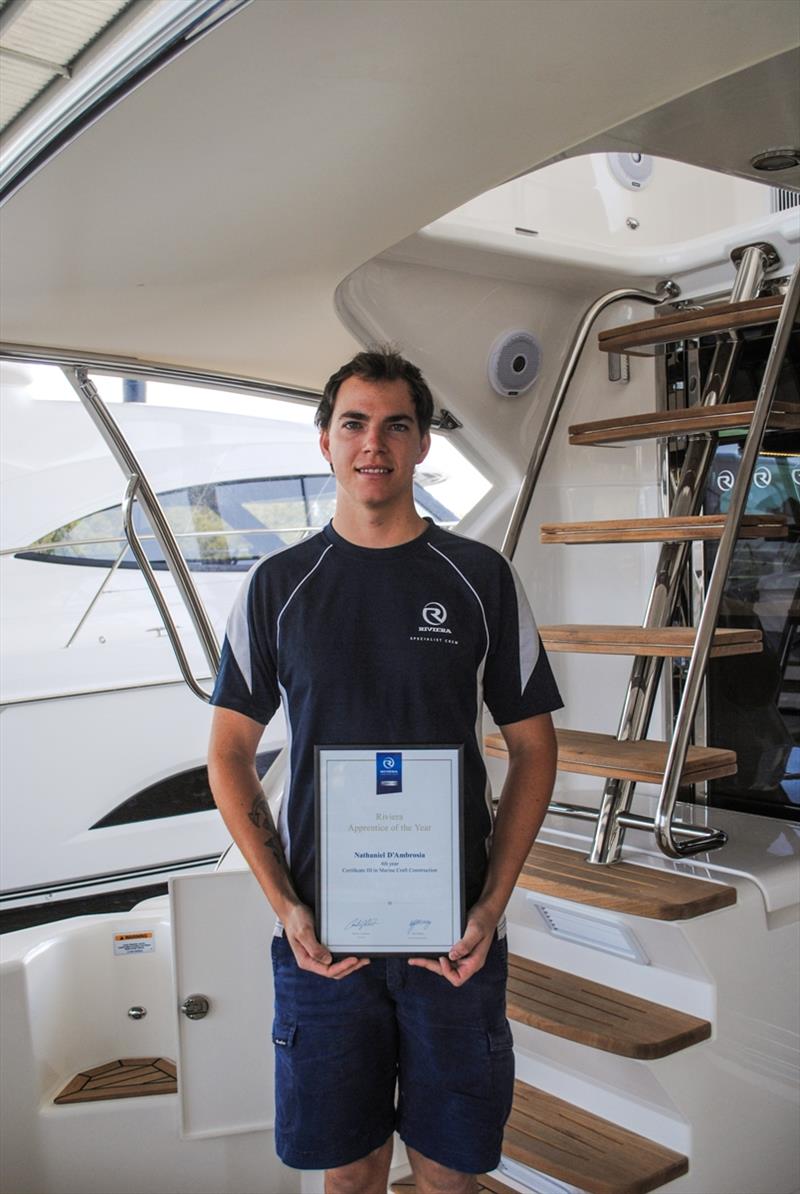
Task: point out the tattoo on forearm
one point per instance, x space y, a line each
262 819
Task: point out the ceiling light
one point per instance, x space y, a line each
776 159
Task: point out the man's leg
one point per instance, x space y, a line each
433 1178
456 1073
369 1175
335 1071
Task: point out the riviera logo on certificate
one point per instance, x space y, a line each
389 849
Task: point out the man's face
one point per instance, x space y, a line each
373 443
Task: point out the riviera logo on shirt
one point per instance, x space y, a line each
434 614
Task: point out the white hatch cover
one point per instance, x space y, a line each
221 930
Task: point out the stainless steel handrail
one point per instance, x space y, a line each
665 290
150 577
67 358
585 812
123 454
708 619
119 366
640 695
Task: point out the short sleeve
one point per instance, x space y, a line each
518 679
247 679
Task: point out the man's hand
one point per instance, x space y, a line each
309 953
467 955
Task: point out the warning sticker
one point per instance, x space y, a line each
135 943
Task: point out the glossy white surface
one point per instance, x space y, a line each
239 222
225 1070
580 201
128 1146
763 850
735 967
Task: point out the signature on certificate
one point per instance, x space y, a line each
362 922
416 928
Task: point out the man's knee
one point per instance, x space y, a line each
368 1175
433 1178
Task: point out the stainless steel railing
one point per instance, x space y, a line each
139 488
153 585
614 815
664 291
708 619
646 671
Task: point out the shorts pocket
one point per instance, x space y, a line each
334 1087
283 1033
501 1055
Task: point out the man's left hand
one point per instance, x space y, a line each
467 955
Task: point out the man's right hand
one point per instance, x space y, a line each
309 953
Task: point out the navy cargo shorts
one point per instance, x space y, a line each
391 1046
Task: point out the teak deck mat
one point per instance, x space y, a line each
126 1078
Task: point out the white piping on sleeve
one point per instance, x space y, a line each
474 593
293 593
283 812
528 635
283 816
487 792
237 630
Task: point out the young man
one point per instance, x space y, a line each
330 627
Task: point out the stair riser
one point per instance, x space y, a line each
626 1092
671 975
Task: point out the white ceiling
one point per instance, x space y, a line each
209 216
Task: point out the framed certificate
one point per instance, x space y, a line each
390 858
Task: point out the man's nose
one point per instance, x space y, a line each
375 440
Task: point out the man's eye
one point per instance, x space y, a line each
351 425
399 426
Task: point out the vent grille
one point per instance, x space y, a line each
781 199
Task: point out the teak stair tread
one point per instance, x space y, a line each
624 887
655 530
692 421
126 1078
592 1014
583 1150
640 640
688 325
585 753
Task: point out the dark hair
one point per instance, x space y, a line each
379 363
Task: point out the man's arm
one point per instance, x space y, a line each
532 754
240 799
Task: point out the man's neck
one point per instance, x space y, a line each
376 528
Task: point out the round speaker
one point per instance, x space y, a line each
631 170
514 363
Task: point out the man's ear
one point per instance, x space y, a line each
324 440
425 447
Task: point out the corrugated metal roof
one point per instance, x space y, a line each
40 40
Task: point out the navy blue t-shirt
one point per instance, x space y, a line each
387 647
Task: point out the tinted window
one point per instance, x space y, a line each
221 526
225 525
